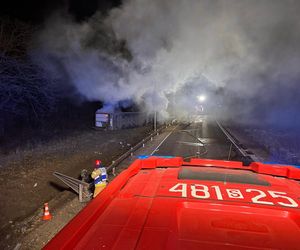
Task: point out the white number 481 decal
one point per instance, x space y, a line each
200 191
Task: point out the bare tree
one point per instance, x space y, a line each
15 37
25 89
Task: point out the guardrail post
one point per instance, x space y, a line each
80 191
229 154
114 171
131 153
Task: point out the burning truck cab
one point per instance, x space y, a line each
166 203
121 120
103 119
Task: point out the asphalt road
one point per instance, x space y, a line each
193 140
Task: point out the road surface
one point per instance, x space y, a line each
190 140
193 140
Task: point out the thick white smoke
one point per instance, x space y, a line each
245 48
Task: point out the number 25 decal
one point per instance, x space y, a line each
274 194
200 191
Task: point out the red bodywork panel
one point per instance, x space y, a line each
165 203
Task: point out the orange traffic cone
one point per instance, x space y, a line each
47 215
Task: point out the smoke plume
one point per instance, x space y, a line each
243 55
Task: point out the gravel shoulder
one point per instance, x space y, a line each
26 183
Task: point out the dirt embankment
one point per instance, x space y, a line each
26 179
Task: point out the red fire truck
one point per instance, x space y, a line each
166 203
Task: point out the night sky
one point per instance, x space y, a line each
36 11
249 49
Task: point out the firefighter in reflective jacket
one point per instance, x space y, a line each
100 177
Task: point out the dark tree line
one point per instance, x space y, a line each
25 89
32 103
15 37
27 94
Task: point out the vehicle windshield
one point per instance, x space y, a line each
222 175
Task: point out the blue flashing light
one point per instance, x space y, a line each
164 156
143 157
160 156
278 164
271 163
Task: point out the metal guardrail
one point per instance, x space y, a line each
252 157
140 144
80 187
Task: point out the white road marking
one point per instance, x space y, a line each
163 140
196 144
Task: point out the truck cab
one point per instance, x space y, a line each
166 203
